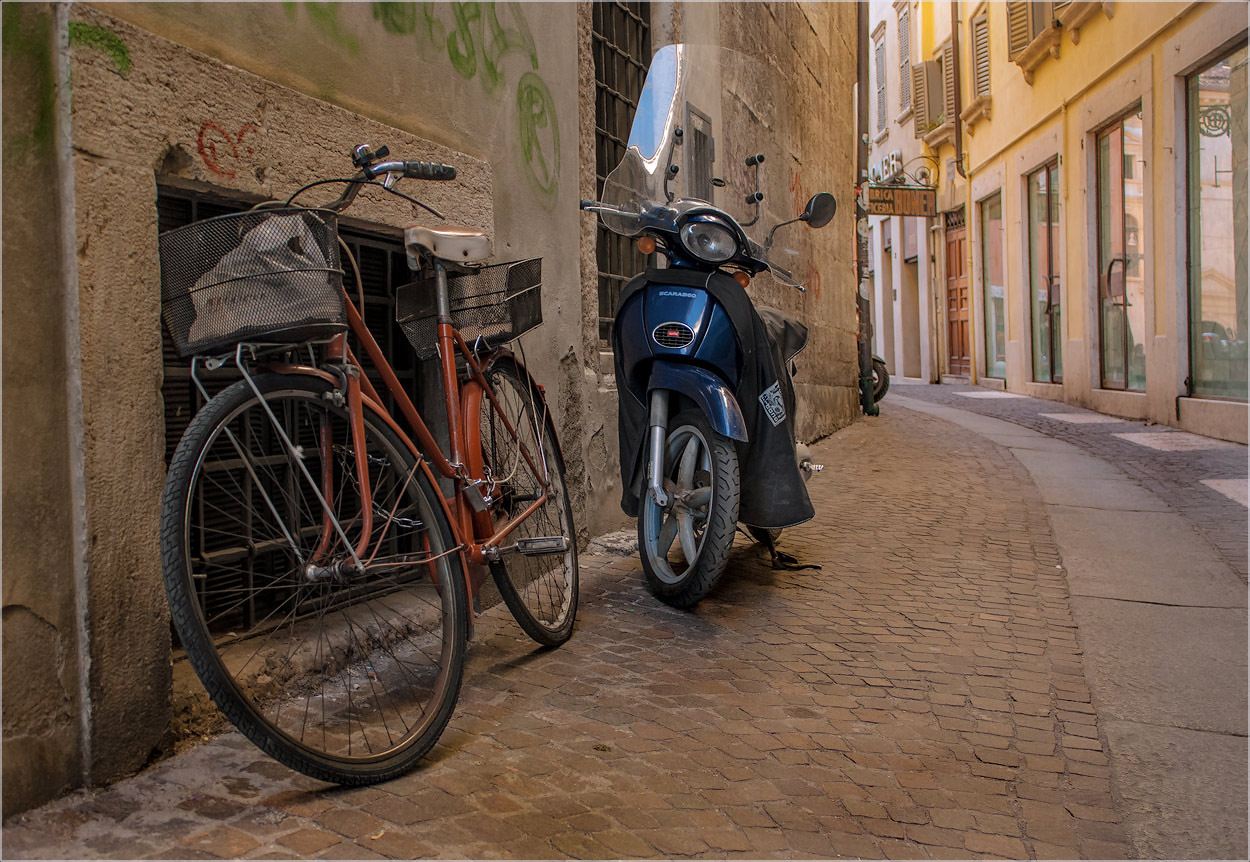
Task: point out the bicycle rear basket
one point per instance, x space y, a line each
495 303
270 275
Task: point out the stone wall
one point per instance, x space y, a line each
249 102
42 747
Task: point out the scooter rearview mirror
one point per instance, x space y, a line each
820 210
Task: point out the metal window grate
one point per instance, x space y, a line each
621 43
383 268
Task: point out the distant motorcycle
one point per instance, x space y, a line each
704 377
880 378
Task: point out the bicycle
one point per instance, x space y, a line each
319 579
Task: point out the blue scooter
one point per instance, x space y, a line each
706 413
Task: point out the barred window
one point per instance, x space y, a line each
621 40
383 268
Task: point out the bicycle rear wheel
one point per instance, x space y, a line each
343 676
537 575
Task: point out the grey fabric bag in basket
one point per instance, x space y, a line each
252 283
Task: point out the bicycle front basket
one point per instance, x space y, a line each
270 275
495 303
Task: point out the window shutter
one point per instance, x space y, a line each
1041 18
981 56
1018 35
926 97
904 58
948 82
881 105
920 101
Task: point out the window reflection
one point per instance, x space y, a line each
1218 227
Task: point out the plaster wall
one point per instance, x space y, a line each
42 704
250 102
1137 57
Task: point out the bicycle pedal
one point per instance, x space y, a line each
540 545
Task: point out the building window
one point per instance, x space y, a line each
1218 227
904 58
994 287
1121 272
879 49
1045 294
621 38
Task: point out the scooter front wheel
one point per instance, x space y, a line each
685 544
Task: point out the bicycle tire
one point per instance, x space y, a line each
343 678
541 591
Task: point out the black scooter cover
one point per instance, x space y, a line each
773 492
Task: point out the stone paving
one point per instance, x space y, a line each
1189 479
923 696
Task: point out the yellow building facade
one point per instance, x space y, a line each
1090 163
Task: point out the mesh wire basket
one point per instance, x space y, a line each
496 303
261 275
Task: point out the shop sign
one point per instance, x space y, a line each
888 169
902 201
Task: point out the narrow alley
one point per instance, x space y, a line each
945 686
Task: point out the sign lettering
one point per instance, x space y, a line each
902 201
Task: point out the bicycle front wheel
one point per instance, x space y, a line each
537 574
343 674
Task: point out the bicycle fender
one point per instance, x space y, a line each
707 390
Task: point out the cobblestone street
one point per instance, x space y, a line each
924 695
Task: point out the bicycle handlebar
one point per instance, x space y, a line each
413 169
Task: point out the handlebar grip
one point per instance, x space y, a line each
428 171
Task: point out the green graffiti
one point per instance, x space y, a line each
501 42
27 45
90 36
535 112
477 44
397 18
460 45
325 17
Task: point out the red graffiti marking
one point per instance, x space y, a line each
211 135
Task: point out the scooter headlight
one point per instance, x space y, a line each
709 241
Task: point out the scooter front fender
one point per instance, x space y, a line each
707 390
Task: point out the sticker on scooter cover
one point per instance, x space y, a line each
770 400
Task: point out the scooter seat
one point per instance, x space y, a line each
459 244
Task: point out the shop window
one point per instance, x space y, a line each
621 42
994 287
1218 227
1045 290
1120 158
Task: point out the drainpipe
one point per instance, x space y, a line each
959 167
864 336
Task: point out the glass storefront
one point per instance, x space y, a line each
1121 258
993 286
1045 295
1218 228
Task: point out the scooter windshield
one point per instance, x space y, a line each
706 111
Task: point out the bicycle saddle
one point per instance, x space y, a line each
461 244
